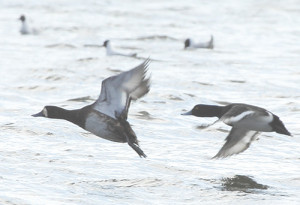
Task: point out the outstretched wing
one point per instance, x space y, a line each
237 141
118 91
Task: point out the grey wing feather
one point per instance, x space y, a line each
237 141
117 91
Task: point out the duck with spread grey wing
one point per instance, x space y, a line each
247 122
107 117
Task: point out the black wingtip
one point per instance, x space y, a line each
146 63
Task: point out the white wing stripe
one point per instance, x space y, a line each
237 118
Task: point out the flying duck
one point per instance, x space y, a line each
107 116
111 52
247 122
189 43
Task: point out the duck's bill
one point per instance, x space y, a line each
40 114
187 113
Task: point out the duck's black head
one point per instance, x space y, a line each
22 18
105 44
187 43
50 112
202 110
75 116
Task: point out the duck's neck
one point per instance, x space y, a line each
73 116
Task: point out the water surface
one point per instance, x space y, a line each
255 60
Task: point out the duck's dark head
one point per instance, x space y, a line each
22 18
202 110
106 43
50 112
187 43
73 116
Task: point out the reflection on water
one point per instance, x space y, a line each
242 183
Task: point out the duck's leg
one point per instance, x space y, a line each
131 137
136 148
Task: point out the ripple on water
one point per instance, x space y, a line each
145 115
114 70
176 98
61 45
237 81
123 183
54 78
156 37
36 87
203 83
87 59
82 99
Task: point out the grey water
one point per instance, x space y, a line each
255 60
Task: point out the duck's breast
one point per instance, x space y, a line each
104 126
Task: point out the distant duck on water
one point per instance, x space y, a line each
111 52
189 43
107 116
24 27
247 122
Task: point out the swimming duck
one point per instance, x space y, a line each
107 116
111 52
24 28
246 121
189 43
